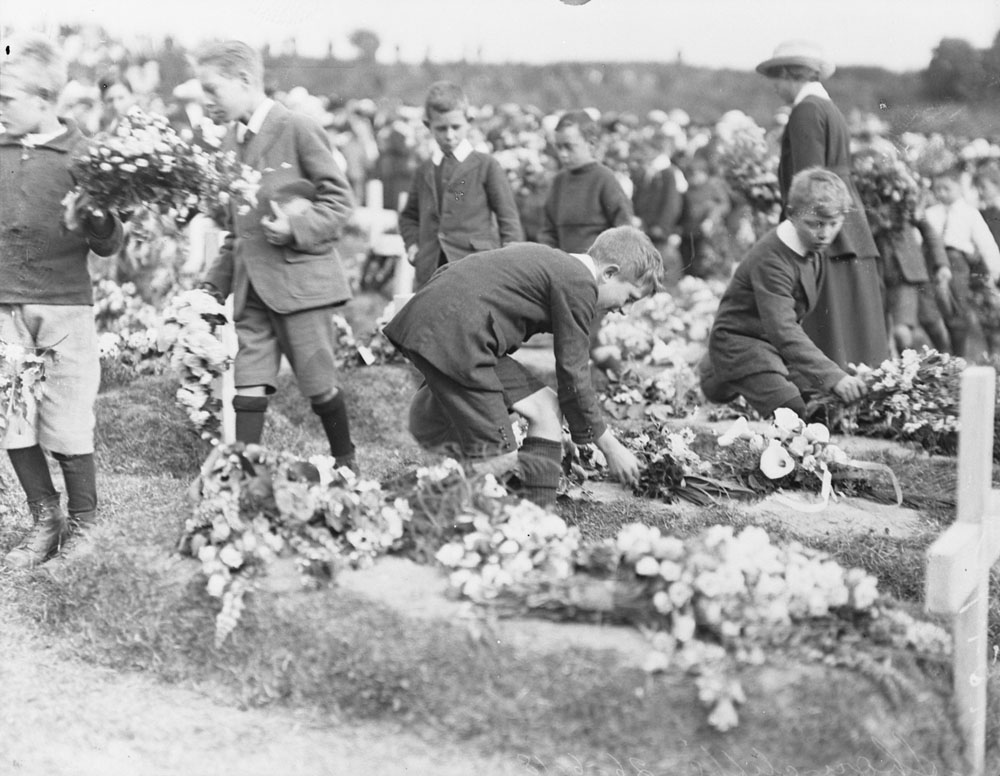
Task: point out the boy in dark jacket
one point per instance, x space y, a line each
460 201
461 328
46 299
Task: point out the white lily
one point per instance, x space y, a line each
775 461
740 429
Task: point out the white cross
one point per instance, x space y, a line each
959 561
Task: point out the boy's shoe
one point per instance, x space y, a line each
46 538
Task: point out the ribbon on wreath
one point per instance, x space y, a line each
827 493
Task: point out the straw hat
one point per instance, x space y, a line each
798 52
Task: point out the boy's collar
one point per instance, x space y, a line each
587 261
62 140
789 236
256 120
461 152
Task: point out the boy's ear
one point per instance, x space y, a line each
608 271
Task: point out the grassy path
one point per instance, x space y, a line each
62 717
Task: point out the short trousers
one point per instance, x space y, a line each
764 391
305 338
62 421
451 418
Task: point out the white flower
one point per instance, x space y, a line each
817 433
216 585
670 571
787 420
798 445
775 462
662 603
450 554
647 566
683 626
231 556
740 429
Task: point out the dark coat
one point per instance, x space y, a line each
758 327
308 272
475 311
477 213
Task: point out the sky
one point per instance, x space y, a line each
895 34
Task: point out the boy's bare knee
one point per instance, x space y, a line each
541 410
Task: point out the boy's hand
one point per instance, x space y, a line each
850 388
277 227
622 464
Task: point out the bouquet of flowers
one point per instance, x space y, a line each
751 168
253 505
671 392
911 397
143 164
888 189
22 381
791 453
224 180
191 334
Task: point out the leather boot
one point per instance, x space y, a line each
46 538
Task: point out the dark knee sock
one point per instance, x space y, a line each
539 464
32 470
249 418
333 415
80 476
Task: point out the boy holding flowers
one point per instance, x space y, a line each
757 347
461 328
280 261
46 298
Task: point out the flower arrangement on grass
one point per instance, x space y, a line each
253 506
671 392
790 454
912 397
190 333
22 381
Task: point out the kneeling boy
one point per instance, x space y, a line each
461 327
757 348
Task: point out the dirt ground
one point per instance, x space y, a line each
60 717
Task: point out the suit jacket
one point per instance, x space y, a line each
758 325
473 312
657 202
477 213
817 135
307 272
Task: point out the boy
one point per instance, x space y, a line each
972 252
658 197
460 200
585 197
46 299
281 265
461 327
757 347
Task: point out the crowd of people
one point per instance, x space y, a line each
517 222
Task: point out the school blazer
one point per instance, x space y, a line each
478 213
476 311
758 327
817 136
307 272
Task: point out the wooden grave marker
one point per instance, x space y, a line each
959 561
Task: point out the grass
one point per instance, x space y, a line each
130 603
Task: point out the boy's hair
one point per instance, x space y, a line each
819 191
633 252
232 57
444 97
39 64
583 121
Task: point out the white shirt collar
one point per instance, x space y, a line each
256 120
587 261
790 237
811 89
461 152
41 138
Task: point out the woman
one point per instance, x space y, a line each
848 322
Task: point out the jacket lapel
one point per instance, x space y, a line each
431 183
270 130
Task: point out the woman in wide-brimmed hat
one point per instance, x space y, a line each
848 323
